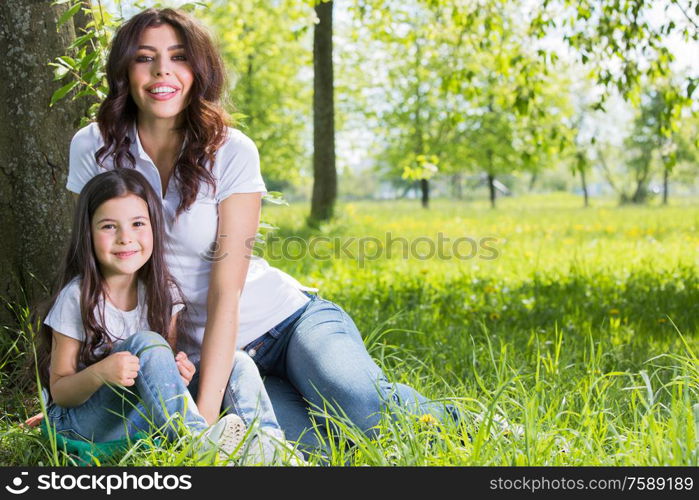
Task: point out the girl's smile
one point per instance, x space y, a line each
122 235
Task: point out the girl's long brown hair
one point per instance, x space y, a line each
204 120
80 262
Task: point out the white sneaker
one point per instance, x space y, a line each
225 435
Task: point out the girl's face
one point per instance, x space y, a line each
160 77
122 235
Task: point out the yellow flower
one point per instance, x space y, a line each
614 311
428 419
662 320
494 316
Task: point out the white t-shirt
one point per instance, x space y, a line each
269 295
65 317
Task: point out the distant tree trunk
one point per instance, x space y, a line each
35 208
425 189
491 186
250 88
324 172
532 181
584 187
457 188
666 186
641 193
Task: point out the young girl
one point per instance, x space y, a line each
109 374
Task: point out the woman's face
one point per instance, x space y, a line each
160 77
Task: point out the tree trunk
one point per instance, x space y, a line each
532 181
324 172
425 188
35 207
666 187
584 187
457 188
639 195
491 186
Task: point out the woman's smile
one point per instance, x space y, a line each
160 77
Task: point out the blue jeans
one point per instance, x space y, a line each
115 412
245 395
317 357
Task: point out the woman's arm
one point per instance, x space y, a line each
70 387
239 218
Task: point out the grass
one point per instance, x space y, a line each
575 346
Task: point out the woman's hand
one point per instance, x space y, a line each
120 368
185 367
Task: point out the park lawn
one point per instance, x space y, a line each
575 345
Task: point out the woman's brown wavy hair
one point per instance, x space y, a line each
203 122
80 262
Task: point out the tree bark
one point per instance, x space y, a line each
532 181
35 208
491 186
324 171
666 186
584 187
640 194
457 188
425 188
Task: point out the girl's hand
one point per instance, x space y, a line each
120 368
34 421
185 366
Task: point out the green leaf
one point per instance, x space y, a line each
68 61
61 93
69 14
81 40
83 93
275 197
60 72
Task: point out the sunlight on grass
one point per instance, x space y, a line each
575 346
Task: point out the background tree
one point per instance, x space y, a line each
34 140
267 52
324 169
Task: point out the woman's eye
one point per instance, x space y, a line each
180 57
144 58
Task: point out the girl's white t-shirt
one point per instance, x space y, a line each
269 295
65 316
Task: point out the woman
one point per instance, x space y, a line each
162 116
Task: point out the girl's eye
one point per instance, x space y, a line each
109 226
139 224
143 58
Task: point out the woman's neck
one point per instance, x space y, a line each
122 291
162 142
